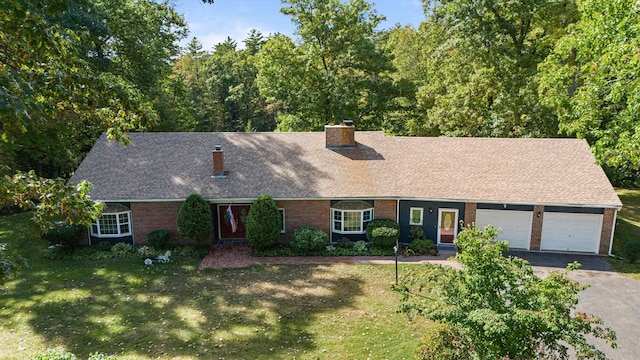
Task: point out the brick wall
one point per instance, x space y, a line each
536 227
470 212
385 209
299 213
149 216
607 227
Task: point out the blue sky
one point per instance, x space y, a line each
212 23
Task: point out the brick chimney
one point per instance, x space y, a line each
218 163
340 136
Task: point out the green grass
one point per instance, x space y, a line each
627 230
133 311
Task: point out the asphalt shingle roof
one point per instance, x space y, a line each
170 166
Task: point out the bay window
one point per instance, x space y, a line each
351 217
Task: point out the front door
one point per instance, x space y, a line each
447 225
239 216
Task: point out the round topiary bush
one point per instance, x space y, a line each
194 219
263 223
383 232
309 239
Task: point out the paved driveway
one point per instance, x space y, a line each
613 297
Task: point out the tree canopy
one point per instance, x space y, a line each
591 81
336 71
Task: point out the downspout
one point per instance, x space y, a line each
613 230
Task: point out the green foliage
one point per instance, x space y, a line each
149 252
50 200
65 235
100 356
263 223
334 71
591 82
309 239
104 245
123 250
423 247
631 251
54 354
442 341
345 243
9 264
191 251
61 354
499 307
194 219
383 232
360 246
158 239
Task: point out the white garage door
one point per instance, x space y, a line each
571 232
515 225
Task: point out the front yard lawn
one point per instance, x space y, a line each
627 229
133 311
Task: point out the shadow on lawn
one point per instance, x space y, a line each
125 308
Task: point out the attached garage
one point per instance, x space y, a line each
571 232
515 225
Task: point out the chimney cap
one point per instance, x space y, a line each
347 122
218 147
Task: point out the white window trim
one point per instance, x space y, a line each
362 227
118 223
411 216
283 229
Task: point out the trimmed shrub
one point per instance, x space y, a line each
194 219
423 247
309 239
345 243
158 239
631 251
123 250
65 235
383 232
263 223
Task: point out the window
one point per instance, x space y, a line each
351 217
282 228
114 222
416 216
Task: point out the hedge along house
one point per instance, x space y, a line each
545 194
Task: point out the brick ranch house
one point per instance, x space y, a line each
545 194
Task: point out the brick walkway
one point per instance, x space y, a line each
238 256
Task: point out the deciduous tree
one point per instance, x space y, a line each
591 81
336 72
495 307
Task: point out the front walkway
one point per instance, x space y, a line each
238 256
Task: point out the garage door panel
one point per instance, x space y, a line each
515 225
571 232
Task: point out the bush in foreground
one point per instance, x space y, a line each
383 232
498 308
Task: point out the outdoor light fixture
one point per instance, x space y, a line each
539 214
430 209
